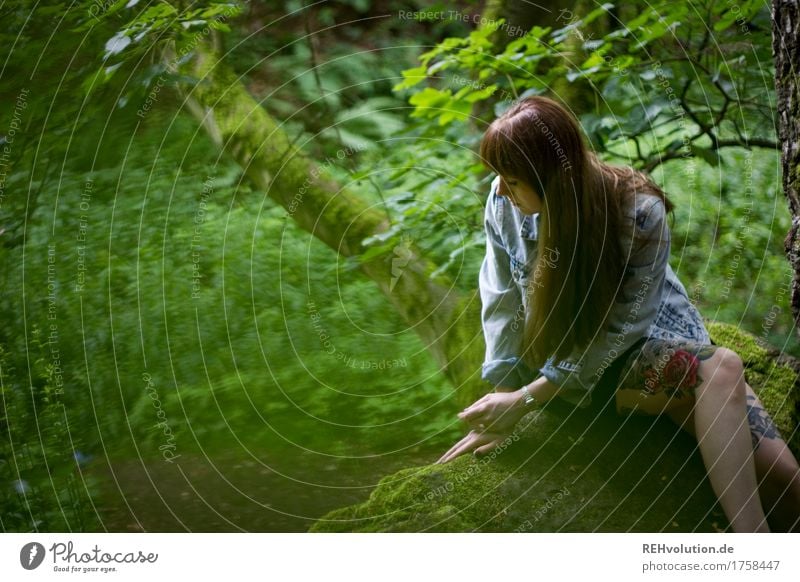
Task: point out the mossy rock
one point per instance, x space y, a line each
575 470
771 373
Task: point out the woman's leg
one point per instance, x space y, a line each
777 470
713 378
723 435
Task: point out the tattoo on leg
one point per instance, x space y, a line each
761 425
667 366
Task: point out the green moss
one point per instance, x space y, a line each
741 342
775 384
450 497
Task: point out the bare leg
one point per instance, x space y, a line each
776 468
723 435
666 375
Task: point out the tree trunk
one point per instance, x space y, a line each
447 321
786 48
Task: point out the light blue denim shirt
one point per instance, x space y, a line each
652 301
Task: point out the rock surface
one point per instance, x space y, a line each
569 470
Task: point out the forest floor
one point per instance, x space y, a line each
226 492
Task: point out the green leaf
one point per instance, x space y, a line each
473 92
429 98
455 111
594 60
116 44
411 77
374 252
743 13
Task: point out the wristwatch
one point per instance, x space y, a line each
528 397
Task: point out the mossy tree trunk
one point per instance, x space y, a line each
447 321
786 48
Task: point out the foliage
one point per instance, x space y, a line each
42 487
677 79
727 241
230 341
151 364
435 204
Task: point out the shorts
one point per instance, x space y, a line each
654 375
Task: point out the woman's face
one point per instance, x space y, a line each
520 194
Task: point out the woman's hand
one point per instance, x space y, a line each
496 412
492 419
477 442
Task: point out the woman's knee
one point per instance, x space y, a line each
725 371
725 362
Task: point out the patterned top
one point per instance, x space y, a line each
651 303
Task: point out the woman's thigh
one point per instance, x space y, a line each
661 376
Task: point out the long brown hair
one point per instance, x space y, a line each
584 201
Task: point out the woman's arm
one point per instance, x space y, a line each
502 310
499 412
493 417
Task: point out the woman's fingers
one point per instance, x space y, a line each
487 447
456 449
465 445
477 422
477 442
473 412
489 413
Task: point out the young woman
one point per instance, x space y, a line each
576 284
